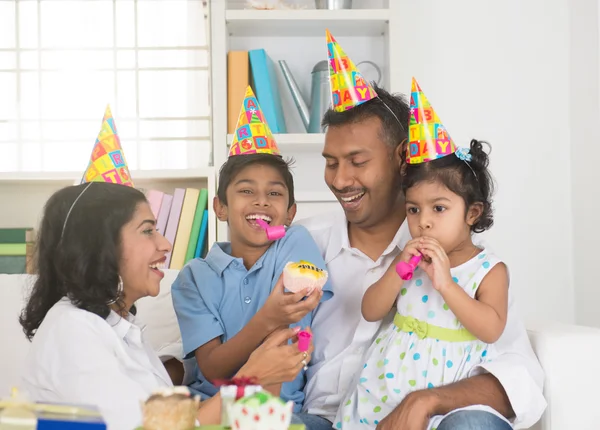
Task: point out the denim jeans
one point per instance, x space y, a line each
461 420
473 420
312 422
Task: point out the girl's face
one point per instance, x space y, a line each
143 255
432 210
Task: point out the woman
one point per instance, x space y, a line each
99 252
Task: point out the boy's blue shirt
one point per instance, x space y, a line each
216 297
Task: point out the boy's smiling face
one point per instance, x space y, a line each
257 191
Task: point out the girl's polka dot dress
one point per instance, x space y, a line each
425 347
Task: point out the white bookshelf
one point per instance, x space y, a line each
298 37
139 176
27 192
305 22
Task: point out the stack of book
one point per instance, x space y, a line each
16 250
182 217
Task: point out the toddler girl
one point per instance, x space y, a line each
454 308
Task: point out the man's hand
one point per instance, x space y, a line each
282 309
412 414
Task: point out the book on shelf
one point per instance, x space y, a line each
155 198
16 250
266 88
257 69
237 82
183 220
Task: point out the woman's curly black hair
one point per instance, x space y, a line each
81 263
473 181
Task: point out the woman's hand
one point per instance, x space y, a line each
276 361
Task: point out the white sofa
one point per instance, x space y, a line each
568 354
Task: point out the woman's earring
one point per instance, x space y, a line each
119 292
120 287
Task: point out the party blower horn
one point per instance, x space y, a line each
405 270
274 232
304 340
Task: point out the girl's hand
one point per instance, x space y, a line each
410 249
437 265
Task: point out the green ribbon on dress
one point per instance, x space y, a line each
424 330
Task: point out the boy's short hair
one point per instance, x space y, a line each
237 163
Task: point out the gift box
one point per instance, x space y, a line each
38 416
233 390
62 421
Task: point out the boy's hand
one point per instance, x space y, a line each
438 266
276 360
282 309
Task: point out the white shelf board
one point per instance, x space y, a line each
303 140
141 176
306 22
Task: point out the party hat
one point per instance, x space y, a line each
427 137
348 87
252 133
108 163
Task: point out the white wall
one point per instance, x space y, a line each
499 71
585 149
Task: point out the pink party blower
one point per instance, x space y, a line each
405 270
273 232
304 340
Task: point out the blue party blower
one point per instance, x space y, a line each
17 413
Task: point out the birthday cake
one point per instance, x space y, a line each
170 409
260 411
303 274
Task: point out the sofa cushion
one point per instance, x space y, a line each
161 329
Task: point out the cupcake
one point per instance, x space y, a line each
260 411
170 409
303 274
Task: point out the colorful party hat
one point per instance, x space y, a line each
108 163
252 133
348 87
427 137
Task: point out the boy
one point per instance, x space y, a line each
229 302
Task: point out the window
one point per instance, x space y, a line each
62 62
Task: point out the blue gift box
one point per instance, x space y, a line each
54 416
56 421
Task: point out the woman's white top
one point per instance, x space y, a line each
79 358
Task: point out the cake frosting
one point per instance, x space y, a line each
303 274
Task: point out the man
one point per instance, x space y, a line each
362 153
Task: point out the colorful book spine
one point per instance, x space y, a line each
237 82
13 264
155 198
163 214
13 249
266 88
16 235
198 216
173 221
184 229
202 237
